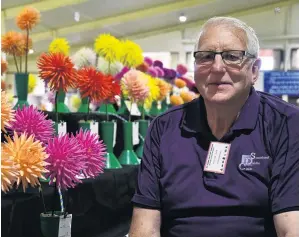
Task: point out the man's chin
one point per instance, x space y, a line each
220 98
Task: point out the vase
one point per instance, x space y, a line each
84 125
107 134
50 224
107 108
123 108
84 107
128 156
143 126
143 110
21 83
61 106
154 111
164 106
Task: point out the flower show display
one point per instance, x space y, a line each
34 153
18 44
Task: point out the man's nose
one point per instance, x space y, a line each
218 64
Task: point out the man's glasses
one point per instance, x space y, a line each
229 57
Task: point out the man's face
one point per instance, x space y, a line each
220 82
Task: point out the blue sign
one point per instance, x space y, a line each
281 83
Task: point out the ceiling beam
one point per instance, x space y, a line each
42 6
120 18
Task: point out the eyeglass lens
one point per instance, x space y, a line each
229 57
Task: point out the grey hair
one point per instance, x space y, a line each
252 42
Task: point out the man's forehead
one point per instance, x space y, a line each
223 37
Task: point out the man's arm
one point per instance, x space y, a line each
145 223
287 224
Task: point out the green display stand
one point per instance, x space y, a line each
21 83
61 107
123 108
142 109
154 111
50 224
107 133
84 105
84 125
128 156
164 106
107 108
143 126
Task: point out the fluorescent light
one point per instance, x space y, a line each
183 18
31 51
77 16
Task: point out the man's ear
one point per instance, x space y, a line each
256 69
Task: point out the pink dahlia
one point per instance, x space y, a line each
95 151
33 122
66 161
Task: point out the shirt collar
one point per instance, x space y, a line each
195 119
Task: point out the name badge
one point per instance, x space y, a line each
217 157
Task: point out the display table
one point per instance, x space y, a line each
100 207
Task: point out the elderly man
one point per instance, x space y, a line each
226 164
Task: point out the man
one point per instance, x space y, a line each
226 164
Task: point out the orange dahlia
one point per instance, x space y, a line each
9 172
3 66
179 83
29 156
23 41
11 42
58 70
187 96
176 100
94 84
164 88
7 114
28 18
3 85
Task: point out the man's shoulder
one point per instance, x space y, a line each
274 105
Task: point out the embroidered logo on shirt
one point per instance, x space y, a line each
248 161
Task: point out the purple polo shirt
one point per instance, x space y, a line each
261 177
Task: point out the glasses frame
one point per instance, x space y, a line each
244 53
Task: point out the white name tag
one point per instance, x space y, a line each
217 157
62 128
65 226
135 133
114 133
94 127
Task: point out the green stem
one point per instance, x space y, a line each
26 53
97 60
42 198
130 111
20 63
107 115
15 59
56 107
88 101
143 112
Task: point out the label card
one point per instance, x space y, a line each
135 133
217 157
65 226
114 134
134 111
94 127
62 128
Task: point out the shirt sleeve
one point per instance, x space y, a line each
147 192
284 190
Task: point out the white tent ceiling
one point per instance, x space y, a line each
128 18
